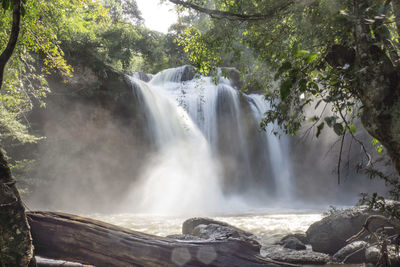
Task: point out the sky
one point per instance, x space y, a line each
158 17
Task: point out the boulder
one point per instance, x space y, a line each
210 229
372 255
279 253
330 234
220 232
234 76
292 243
142 76
355 249
191 223
188 73
302 237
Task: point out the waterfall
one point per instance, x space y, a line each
209 154
278 150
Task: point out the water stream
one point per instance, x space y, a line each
210 155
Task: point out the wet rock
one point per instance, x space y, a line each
188 73
372 255
191 223
234 76
221 232
142 76
210 229
279 253
330 234
302 237
355 249
292 243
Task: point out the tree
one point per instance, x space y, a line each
15 239
26 43
340 54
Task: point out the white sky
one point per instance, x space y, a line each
157 17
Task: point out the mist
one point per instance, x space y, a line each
182 147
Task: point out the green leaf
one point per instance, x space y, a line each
285 89
313 87
319 128
338 129
285 66
352 128
330 120
300 53
311 57
302 85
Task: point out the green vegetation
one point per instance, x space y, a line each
341 56
55 35
336 55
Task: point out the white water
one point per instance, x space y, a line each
209 155
278 151
268 228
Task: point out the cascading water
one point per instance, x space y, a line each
278 150
209 153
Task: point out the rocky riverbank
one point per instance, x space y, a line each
324 242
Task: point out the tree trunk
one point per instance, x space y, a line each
379 90
73 238
12 41
15 239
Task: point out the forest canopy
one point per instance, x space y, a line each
341 56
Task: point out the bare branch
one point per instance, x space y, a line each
340 155
395 224
355 138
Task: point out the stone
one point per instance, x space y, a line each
292 243
330 234
142 76
279 253
191 223
188 73
372 255
221 232
234 76
209 229
356 248
302 237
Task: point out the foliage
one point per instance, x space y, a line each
320 54
43 25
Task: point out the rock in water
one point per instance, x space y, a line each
330 234
190 224
292 243
210 229
302 237
358 248
372 255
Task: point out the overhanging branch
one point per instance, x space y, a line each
12 41
230 15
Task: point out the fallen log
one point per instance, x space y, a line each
73 238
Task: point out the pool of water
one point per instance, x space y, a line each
269 228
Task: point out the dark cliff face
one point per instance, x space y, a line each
94 145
